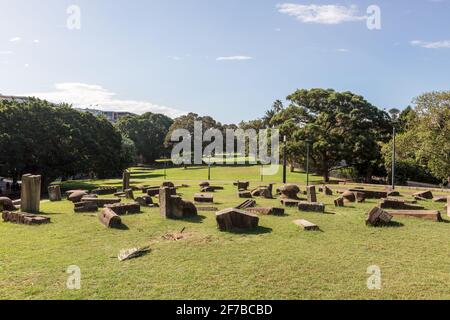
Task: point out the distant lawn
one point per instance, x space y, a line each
276 261
218 173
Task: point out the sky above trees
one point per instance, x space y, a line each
228 59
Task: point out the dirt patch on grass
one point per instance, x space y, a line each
194 237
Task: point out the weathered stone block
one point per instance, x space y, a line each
306 225
349 196
30 193
424 195
101 202
290 191
433 215
6 204
339 202
103 191
76 195
24 218
377 217
398 204
289 202
54 193
204 198
235 219
85 207
247 204
311 193
124 208
144 201
271 211
311 207
109 218
371 194
173 207
244 194
327 191
126 180
242 185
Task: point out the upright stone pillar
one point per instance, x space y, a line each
126 180
30 193
448 206
311 191
54 193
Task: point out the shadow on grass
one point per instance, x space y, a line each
196 219
122 227
258 230
147 176
392 224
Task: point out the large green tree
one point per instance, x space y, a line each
341 127
423 145
148 132
56 141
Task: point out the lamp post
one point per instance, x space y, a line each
209 168
284 161
393 158
307 162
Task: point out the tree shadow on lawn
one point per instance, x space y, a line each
196 219
147 176
392 224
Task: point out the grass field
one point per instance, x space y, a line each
276 261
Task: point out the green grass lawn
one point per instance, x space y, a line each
276 261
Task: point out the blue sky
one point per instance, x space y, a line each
228 59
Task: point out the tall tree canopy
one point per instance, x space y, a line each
340 127
56 141
148 132
423 145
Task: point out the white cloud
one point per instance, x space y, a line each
343 50
323 14
36 41
15 39
94 96
6 52
234 58
26 65
431 45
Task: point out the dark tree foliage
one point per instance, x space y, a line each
341 127
56 141
148 132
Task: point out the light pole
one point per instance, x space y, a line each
307 162
394 116
165 169
393 158
284 160
209 168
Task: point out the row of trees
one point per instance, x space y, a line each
342 129
57 141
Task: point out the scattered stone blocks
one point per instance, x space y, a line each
76 195
311 207
311 193
242 185
371 194
378 217
269 211
339 202
360 197
246 204
152 192
101 202
30 193
398 204
440 199
327 191
109 218
6 204
424 195
204 198
129 194
24 218
103 191
54 193
245 194
173 207
144 201
126 180
432 215
124 208
289 202
290 191
306 225
85 207
235 219
349 196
